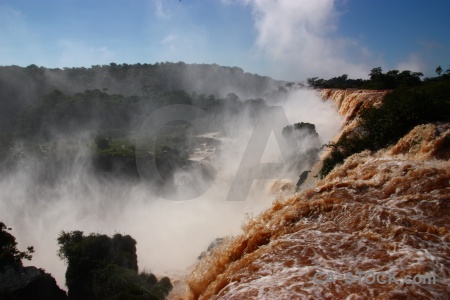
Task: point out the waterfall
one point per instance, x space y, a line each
383 214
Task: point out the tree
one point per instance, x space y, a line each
103 267
376 74
9 254
315 82
232 97
439 70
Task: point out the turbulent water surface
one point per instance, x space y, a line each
383 214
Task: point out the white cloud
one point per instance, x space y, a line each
169 38
77 53
172 43
160 12
15 36
180 44
12 20
413 63
299 38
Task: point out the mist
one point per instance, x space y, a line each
39 199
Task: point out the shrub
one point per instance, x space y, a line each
9 254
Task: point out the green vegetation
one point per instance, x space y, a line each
21 283
9 254
378 80
112 121
340 82
108 104
57 113
103 267
47 114
21 87
401 110
98 267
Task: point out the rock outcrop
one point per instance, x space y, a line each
28 283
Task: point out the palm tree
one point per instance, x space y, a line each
439 70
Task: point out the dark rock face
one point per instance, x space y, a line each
28 283
304 144
211 246
302 179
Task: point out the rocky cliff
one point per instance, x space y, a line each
376 227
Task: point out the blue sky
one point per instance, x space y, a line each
285 39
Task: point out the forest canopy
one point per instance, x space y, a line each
377 80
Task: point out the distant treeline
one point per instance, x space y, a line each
378 80
20 87
60 113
